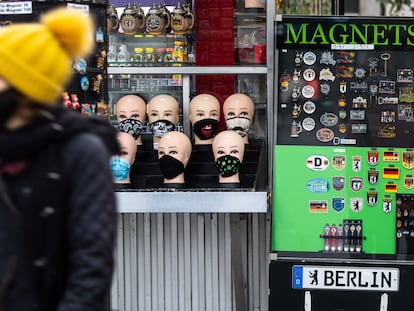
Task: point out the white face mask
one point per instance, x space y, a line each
239 124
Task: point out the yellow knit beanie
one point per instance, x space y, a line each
36 58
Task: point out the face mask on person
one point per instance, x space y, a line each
120 168
206 128
239 124
8 105
131 126
228 165
170 166
160 127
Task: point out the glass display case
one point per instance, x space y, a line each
205 57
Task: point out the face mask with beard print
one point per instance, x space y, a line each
206 128
160 127
239 124
170 166
131 126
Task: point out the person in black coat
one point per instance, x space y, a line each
57 201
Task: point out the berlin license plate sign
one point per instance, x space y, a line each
345 278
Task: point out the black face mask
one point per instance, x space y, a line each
9 102
228 165
206 128
170 166
131 126
160 127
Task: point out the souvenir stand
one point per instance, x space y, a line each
190 246
343 229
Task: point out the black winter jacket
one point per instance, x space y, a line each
57 214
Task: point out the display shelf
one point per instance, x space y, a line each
194 70
172 201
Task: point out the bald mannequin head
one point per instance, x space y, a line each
238 111
174 151
204 117
163 115
130 108
228 151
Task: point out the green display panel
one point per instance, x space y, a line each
372 179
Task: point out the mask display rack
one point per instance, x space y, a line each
148 70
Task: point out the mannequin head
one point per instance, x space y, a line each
162 115
238 110
204 118
228 151
121 164
131 115
174 151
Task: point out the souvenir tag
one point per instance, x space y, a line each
309 58
359 86
404 75
298 58
296 76
80 65
308 91
338 182
325 135
356 183
387 116
391 172
327 58
345 72
342 128
406 112
317 162
359 128
296 93
373 157
373 175
338 162
356 205
318 206
373 66
308 124
84 82
409 182
359 102
386 131
329 119
356 163
309 107
408 159
309 74
342 87
386 87
317 185
360 73
342 114
99 37
391 156
372 198
357 114
387 205
296 110
391 187
325 88
326 75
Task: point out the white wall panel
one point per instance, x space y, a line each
189 262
